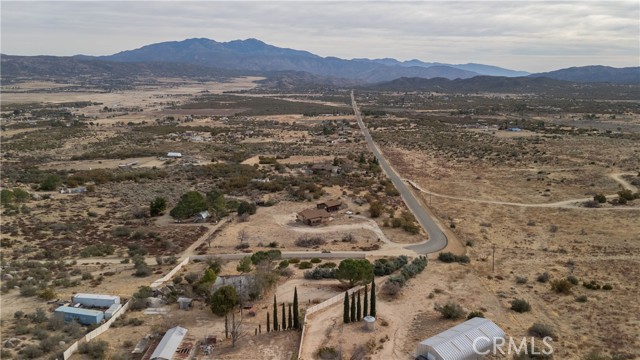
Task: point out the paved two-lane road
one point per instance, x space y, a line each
437 239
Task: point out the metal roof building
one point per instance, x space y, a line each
167 347
466 341
84 316
96 300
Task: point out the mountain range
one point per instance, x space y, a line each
200 57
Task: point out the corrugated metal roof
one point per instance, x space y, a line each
96 296
169 344
78 311
457 342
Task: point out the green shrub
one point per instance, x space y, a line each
121 231
520 305
95 349
283 264
316 261
572 279
581 298
521 279
451 310
305 265
448 257
294 261
475 314
541 330
592 285
600 198
543 278
607 287
562 286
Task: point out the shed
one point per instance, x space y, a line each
313 216
84 316
185 302
174 155
113 309
96 300
169 344
202 216
464 341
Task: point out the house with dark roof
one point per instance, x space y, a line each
313 216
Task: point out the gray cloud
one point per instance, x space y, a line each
534 36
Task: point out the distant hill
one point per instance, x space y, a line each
595 73
479 69
519 85
255 55
71 67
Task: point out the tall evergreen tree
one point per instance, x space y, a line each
226 327
275 314
358 308
365 307
296 319
268 323
284 318
353 307
345 315
373 299
290 319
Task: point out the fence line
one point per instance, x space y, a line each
323 305
170 274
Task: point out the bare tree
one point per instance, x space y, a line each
243 235
237 330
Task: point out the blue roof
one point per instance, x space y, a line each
78 311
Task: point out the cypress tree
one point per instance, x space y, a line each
345 314
373 299
275 314
353 307
358 308
290 319
365 308
296 319
226 327
284 318
268 323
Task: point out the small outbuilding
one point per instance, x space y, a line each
83 316
201 217
96 300
330 205
112 310
465 341
169 344
185 303
313 216
174 155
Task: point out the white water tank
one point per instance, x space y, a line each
370 323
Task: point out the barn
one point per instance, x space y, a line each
465 341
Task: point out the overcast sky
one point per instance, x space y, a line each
531 35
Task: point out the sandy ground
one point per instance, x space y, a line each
125 98
147 162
